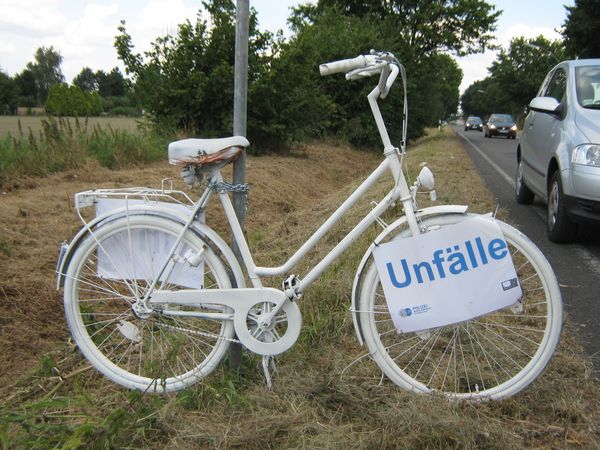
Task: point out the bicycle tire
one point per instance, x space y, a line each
156 353
489 357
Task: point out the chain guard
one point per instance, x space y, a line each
267 341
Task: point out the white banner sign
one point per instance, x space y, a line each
140 253
447 276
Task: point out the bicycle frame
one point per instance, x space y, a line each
400 191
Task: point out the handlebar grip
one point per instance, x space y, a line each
343 65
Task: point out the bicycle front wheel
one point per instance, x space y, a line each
489 357
150 351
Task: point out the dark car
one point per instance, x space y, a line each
501 125
473 123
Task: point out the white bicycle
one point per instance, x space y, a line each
154 297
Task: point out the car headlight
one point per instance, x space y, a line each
492 126
586 154
513 128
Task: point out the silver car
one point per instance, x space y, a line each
559 151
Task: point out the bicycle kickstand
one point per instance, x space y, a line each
265 365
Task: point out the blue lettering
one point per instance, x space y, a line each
438 259
452 260
459 264
482 254
417 268
471 254
497 249
407 278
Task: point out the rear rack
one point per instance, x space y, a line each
89 198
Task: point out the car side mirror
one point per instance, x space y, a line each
547 105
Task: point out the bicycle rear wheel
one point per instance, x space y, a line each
114 266
489 357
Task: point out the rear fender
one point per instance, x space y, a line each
421 215
212 239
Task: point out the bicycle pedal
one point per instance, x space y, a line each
291 287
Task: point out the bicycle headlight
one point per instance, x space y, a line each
513 128
586 154
492 126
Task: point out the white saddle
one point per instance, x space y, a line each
206 151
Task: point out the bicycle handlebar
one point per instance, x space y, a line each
345 65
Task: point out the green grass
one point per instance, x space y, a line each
62 144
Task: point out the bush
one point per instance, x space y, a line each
64 100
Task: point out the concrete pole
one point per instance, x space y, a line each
240 95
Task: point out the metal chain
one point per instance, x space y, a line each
196 332
222 187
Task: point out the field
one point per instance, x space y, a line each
10 124
50 397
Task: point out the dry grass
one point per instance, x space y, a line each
50 398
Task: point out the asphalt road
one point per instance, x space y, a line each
577 265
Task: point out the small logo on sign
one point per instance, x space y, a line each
406 312
510 284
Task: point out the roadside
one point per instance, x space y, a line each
51 398
577 265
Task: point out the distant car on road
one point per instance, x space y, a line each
473 123
559 152
500 125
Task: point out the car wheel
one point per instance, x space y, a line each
522 192
560 228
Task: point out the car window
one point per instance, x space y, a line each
501 118
588 86
557 86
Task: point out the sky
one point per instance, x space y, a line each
83 31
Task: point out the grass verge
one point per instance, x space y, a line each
51 398
61 144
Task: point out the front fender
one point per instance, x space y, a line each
203 230
421 214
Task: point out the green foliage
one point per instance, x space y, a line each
9 93
186 81
66 100
66 144
425 27
46 71
515 77
86 80
582 28
28 91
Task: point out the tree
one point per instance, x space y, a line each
412 30
483 98
86 80
186 81
582 28
520 70
46 71
460 26
64 100
112 84
9 94
28 91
